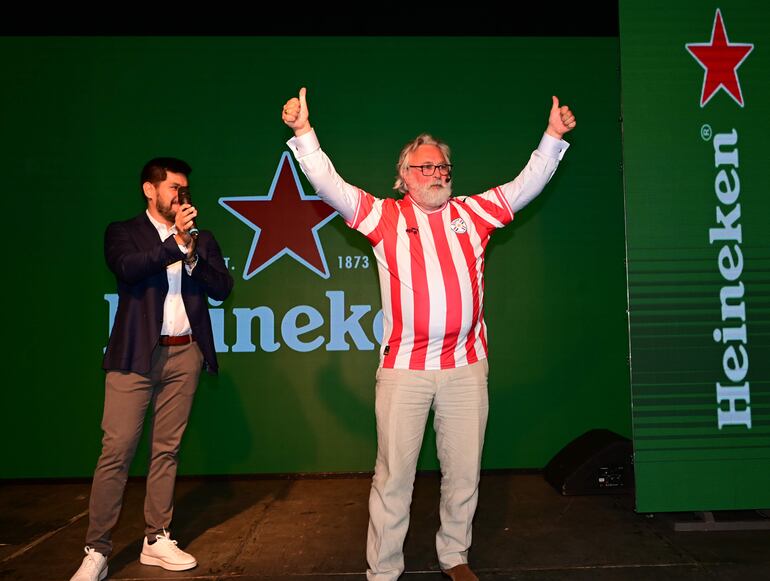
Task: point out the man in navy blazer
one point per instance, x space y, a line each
142 288
160 341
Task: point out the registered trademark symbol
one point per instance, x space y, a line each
705 132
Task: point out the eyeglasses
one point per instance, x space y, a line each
429 169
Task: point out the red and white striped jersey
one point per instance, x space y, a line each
431 265
431 268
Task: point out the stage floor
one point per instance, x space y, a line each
315 528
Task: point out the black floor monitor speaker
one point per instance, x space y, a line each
598 462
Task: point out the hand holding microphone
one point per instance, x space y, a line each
188 215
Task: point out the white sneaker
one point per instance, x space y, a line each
164 553
93 568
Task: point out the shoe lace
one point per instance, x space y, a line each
166 538
91 561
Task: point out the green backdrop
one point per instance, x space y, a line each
698 251
80 116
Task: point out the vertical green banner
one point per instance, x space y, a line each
695 88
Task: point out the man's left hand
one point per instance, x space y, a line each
561 120
185 217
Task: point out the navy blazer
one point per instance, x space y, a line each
138 258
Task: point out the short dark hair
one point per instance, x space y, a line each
154 171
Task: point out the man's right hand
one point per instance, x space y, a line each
295 114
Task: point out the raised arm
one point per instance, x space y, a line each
544 160
315 164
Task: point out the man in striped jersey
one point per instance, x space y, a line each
430 256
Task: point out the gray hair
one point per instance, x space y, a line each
411 147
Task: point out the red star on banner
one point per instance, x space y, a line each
721 60
286 221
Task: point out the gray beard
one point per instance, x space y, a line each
431 197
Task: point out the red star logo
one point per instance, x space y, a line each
286 221
721 60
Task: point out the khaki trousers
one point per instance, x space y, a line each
460 404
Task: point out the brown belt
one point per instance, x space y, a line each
168 340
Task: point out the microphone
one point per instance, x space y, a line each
183 195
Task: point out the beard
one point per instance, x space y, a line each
432 196
168 212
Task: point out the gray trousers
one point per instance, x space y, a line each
168 388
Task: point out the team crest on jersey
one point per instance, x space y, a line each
458 226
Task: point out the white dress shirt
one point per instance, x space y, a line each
175 321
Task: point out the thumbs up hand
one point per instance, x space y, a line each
561 120
295 113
